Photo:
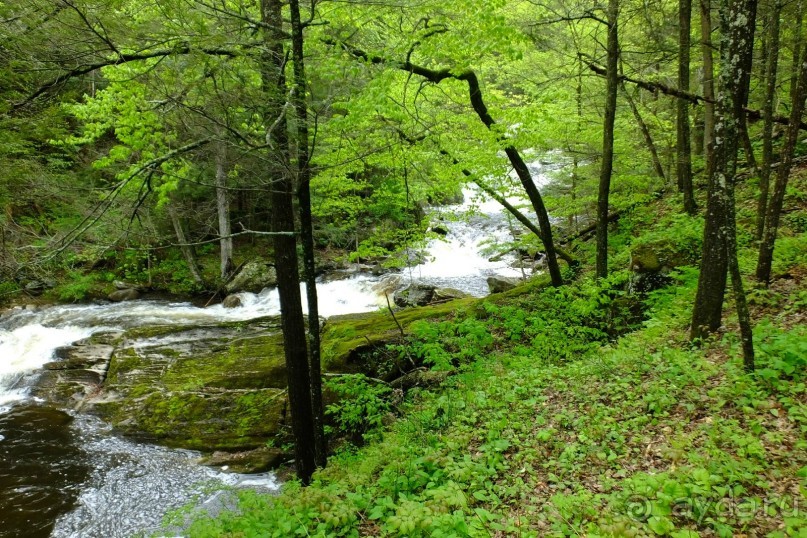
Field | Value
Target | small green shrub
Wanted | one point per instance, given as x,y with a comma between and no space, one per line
361,404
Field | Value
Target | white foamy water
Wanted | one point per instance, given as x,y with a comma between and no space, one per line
133,486
24,350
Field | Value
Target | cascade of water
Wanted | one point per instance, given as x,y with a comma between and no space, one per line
148,480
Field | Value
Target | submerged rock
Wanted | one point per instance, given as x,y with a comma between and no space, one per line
232,301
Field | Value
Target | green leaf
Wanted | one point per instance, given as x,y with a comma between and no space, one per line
660,525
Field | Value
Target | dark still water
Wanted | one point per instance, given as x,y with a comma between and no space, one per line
41,470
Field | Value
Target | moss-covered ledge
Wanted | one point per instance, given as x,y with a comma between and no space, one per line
222,387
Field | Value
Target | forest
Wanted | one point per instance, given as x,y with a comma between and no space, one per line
647,374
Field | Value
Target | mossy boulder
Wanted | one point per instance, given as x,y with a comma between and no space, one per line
207,388
254,276
658,257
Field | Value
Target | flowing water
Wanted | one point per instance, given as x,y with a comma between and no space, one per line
66,475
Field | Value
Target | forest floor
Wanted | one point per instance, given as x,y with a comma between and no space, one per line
569,413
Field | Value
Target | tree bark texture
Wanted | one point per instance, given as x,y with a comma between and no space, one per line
303,160
708,83
187,250
736,43
771,69
774,209
683,141
612,81
223,211
285,246
648,138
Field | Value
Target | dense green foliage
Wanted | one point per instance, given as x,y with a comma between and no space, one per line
130,130
558,422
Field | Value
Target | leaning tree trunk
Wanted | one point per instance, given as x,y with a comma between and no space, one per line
187,250
477,100
708,83
648,138
612,80
683,141
307,231
736,43
285,243
772,65
765,260
223,210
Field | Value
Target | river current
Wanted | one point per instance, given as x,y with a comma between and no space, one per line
64,474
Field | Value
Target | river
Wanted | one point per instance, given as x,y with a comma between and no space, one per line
64,474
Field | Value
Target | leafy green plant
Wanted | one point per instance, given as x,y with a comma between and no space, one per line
360,406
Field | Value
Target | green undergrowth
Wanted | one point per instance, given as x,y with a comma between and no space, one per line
558,424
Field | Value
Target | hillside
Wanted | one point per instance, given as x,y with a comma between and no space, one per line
578,411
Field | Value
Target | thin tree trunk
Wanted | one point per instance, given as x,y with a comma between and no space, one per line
223,210
748,61
772,65
683,141
648,138
187,250
285,246
743,315
708,83
708,310
612,80
797,44
765,259
307,231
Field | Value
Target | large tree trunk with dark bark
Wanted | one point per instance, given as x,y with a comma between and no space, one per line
285,243
307,230
612,81
708,310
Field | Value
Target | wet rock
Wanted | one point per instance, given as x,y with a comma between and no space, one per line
499,284
232,301
79,370
254,276
128,294
250,461
415,295
388,284
448,294
439,229
121,285
35,287
218,387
